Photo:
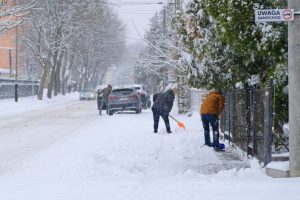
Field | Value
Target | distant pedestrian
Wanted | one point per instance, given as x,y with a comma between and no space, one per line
162,106
105,93
210,110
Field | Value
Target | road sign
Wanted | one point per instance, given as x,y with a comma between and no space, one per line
274,15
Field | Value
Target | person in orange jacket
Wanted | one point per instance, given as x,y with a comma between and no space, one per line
210,110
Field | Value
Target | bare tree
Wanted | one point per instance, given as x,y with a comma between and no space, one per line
71,36
47,36
161,62
12,15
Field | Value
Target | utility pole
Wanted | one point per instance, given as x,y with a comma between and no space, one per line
10,62
294,89
17,40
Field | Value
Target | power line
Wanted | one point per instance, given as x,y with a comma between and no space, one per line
130,13
136,2
140,3
114,3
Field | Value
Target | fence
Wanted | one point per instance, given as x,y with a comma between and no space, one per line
246,121
196,95
8,88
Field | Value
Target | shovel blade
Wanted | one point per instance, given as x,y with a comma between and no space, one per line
181,125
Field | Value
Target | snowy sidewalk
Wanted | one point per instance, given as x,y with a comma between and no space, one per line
10,108
228,160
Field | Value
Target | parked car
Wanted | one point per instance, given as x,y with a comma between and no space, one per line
144,95
87,94
122,99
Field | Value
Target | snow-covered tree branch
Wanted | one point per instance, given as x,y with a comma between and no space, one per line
88,33
12,15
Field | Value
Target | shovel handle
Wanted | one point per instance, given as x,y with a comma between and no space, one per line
181,125
173,118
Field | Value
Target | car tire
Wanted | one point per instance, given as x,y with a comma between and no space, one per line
138,110
110,112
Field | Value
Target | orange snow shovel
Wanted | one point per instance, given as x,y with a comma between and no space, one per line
180,124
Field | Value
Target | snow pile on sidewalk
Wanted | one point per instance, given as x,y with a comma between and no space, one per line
10,108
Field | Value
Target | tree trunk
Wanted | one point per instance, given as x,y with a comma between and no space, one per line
51,83
64,85
53,72
64,80
65,73
57,82
80,84
42,84
183,96
57,75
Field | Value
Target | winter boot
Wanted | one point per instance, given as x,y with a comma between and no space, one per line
218,146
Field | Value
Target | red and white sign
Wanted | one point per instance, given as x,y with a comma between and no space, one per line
274,15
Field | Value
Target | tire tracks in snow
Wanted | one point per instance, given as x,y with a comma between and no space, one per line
26,134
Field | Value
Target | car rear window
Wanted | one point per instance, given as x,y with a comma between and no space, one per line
123,91
88,90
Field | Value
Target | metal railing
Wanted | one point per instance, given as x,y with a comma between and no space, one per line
17,88
246,121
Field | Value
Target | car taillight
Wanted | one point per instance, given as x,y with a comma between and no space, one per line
141,94
133,96
112,98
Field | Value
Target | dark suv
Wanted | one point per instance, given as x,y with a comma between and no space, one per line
122,99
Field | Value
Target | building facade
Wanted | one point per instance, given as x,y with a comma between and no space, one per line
8,53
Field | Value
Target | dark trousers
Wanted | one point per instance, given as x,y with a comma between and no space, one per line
156,114
213,121
104,101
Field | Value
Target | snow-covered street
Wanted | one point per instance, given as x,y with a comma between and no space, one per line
61,149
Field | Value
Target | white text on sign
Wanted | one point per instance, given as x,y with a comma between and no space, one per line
274,15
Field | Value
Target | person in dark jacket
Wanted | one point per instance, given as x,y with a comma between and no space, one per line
105,93
155,96
162,106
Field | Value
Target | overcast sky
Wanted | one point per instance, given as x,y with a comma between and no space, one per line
137,13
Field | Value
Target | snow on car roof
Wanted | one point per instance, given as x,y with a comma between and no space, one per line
123,86
135,85
88,90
